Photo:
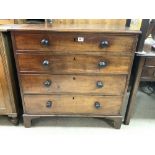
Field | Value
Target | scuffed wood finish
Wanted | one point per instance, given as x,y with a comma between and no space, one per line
8,93
67,42
112,85
72,104
73,63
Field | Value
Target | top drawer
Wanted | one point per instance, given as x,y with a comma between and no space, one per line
74,42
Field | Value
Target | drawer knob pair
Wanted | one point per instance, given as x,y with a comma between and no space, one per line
103,44
47,83
48,104
101,64
97,105
44,42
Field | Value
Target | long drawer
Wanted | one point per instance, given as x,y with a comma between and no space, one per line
80,42
44,84
67,64
72,104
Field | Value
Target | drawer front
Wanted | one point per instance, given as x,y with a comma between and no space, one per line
44,84
74,42
150,62
148,73
72,104
63,64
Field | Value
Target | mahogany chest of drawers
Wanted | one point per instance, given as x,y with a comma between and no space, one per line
72,71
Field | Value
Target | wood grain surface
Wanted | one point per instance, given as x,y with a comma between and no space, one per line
8,91
71,63
68,42
113,85
72,104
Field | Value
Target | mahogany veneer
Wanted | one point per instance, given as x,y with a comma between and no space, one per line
73,70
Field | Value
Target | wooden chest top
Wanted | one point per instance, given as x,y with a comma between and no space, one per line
69,28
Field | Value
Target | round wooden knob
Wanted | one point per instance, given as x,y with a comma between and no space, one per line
104,44
49,104
44,42
45,62
99,84
47,83
97,105
102,64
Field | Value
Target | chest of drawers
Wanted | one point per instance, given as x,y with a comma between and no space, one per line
73,72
